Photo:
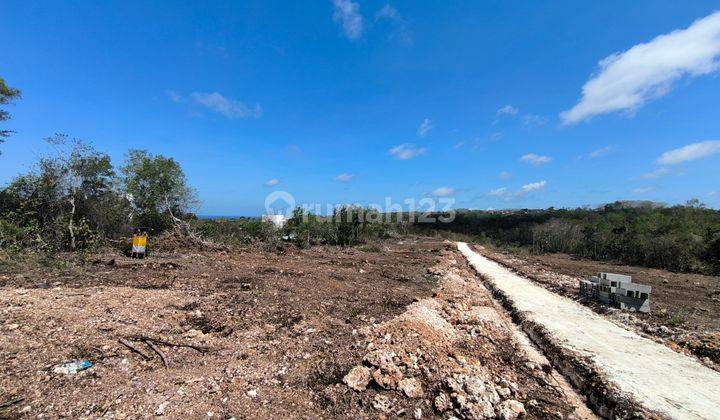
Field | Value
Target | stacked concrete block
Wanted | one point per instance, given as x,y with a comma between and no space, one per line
617,290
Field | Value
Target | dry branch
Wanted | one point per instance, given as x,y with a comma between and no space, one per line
157,351
133,349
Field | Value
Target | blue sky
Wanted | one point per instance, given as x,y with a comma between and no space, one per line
355,101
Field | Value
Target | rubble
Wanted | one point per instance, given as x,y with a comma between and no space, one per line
461,352
510,410
358,378
382,403
411,387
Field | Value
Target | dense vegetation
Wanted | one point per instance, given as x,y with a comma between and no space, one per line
347,226
75,199
681,238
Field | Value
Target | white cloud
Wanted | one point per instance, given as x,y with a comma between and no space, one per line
344,177
507,195
533,186
347,14
601,152
399,27
533,120
173,95
496,136
508,110
656,173
458,145
425,126
627,80
505,175
225,106
497,192
443,192
690,152
643,190
387,12
406,151
535,159
272,182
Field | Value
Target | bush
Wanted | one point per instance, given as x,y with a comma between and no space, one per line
234,231
348,226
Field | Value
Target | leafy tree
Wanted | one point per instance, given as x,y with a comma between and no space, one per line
7,95
67,201
157,188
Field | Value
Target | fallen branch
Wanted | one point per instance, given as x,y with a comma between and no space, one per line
108,405
200,349
157,351
133,349
12,402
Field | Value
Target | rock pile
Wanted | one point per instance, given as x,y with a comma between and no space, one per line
453,355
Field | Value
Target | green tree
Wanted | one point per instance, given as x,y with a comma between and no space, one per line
67,201
157,188
7,95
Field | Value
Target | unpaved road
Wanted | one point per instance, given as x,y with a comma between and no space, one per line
658,378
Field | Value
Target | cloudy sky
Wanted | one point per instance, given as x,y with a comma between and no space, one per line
497,104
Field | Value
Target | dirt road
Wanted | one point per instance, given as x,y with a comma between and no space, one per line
652,375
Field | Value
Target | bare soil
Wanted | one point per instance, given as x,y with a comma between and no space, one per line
250,333
278,326
685,308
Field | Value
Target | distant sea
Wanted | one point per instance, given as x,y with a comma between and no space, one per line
215,217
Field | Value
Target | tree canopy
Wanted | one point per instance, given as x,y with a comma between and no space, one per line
7,95
157,187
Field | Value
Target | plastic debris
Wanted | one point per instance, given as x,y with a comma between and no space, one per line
73,367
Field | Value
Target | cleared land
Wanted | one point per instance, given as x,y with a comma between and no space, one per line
644,372
253,333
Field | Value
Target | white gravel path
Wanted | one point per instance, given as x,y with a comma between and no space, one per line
661,379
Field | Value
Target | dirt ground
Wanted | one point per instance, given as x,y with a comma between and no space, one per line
685,308
249,333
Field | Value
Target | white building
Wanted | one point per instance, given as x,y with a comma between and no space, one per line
278,220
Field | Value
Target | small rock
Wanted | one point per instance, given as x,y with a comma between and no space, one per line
411,387
252,393
417,413
510,410
475,386
358,378
504,392
480,410
161,408
381,403
388,376
442,403
379,357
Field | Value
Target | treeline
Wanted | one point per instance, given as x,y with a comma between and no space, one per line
75,199
679,238
348,226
